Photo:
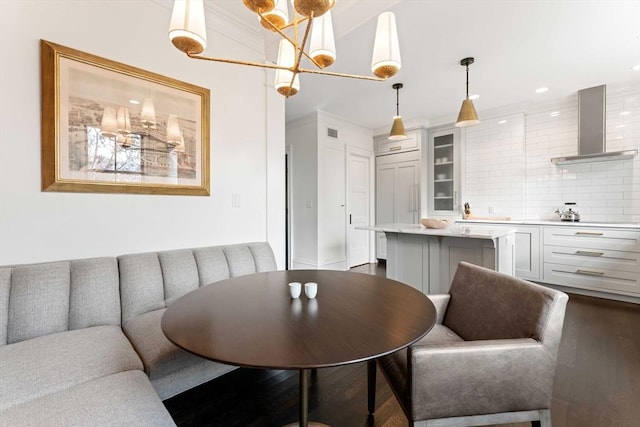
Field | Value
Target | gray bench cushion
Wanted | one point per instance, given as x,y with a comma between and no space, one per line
162,359
123,399
51,363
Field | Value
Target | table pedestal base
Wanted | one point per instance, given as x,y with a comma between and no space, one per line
304,403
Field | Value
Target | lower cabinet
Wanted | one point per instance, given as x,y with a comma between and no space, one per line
597,259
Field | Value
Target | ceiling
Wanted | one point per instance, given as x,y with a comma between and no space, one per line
518,45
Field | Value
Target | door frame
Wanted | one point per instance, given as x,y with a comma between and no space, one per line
370,155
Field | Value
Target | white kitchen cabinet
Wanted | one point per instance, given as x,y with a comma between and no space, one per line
527,247
411,143
444,172
595,259
397,192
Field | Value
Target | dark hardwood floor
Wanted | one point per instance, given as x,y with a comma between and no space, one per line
597,381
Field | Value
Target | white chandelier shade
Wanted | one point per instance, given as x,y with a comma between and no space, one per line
277,17
148,113
188,31
323,45
174,136
109,124
286,58
124,121
386,61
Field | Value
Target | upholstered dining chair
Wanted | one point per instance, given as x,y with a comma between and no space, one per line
490,358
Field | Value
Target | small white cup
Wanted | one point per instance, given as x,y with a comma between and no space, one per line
295,289
311,289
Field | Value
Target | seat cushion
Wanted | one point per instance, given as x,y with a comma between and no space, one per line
394,365
162,359
40,366
122,399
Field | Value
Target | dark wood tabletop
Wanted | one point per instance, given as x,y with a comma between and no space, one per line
252,321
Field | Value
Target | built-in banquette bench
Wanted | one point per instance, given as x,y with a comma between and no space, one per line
81,343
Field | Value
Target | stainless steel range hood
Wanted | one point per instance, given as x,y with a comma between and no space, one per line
592,131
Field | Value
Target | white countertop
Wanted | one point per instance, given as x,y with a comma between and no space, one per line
455,230
633,225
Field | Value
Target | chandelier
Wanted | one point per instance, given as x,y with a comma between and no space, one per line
187,32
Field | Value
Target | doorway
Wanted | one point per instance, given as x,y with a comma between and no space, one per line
359,203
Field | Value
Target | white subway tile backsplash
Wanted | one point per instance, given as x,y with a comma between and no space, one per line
508,166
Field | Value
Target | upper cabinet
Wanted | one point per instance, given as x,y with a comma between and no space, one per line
412,142
443,158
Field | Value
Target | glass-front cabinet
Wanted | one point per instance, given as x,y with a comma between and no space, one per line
443,174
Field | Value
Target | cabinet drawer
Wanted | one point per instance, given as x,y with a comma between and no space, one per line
593,258
598,279
596,238
384,146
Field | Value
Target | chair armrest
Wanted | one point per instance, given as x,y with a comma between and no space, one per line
480,377
441,301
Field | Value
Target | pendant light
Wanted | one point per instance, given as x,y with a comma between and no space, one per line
468,116
397,129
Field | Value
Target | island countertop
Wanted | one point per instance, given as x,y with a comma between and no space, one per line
454,230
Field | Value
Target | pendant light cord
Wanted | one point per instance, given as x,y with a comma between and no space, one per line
397,101
467,81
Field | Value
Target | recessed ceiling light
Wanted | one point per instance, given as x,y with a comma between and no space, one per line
134,102
636,67
542,89
474,96
502,122
621,126
625,113
555,113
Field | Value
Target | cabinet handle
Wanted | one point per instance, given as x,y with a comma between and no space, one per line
589,253
396,148
588,233
590,272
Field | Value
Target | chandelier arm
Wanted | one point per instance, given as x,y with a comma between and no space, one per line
292,23
233,61
293,42
331,73
296,66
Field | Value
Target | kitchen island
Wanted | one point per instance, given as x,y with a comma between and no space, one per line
427,258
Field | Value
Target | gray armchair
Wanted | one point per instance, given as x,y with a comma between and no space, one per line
490,358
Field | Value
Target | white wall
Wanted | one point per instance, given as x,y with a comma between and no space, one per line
247,151
508,165
318,193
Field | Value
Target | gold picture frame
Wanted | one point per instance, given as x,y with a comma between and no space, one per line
108,127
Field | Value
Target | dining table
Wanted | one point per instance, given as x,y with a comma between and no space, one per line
252,321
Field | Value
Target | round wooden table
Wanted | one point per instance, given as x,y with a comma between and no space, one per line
252,321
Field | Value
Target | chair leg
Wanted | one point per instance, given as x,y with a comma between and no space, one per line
371,386
545,419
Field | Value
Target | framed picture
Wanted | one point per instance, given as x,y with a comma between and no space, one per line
108,127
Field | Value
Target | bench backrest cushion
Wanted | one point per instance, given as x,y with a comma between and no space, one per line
153,280
41,299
